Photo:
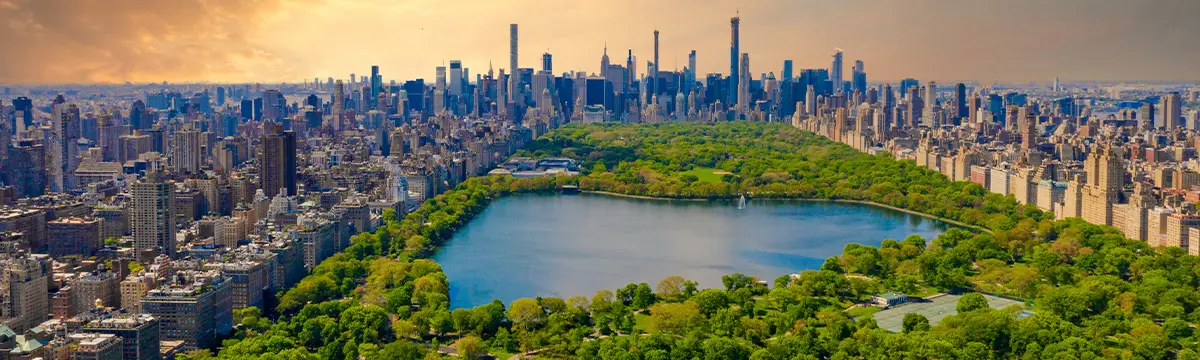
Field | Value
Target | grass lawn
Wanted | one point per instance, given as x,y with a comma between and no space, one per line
863,311
500,353
924,291
641,323
706,174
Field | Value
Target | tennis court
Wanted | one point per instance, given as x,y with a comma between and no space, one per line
934,309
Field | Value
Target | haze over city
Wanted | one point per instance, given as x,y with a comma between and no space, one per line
62,41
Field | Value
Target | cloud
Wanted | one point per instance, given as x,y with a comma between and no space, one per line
73,41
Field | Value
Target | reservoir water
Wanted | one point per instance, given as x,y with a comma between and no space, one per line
567,245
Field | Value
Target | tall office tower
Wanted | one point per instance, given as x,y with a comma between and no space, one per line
691,74
339,104
787,70
278,165
604,62
548,63
273,105
835,71
810,101
1146,116
960,102
858,80
187,156
657,65
744,85
930,99
631,70
23,284
152,216
456,76
439,90
247,110
1172,110
973,105
1056,88
376,87
65,149
905,85
220,96
734,52
25,106
512,60
27,168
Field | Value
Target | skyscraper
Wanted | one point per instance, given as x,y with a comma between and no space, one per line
744,85
439,90
187,154
338,103
604,62
657,65
734,52
376,87
456,75
25,106
930,102
787,70
279,160
152,216
1171,110
691,74
858,79
274,106
960,101
835,71
66,133
548,63
512,60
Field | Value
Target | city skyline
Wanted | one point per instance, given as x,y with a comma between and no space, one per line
293,40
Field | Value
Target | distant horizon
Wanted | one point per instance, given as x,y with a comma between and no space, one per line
273,41
872,82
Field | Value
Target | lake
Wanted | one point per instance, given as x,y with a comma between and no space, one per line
567,245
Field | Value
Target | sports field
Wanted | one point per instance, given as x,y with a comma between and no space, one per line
934,309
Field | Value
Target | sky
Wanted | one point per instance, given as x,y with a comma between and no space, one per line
114,41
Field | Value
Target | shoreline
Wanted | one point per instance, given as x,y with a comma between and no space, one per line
850,201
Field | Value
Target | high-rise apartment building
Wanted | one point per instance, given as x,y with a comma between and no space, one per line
25,282
278,163
197,308
734,53
152,216
74,236
187,151
512,61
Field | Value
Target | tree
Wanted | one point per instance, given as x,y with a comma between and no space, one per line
525,312
470,347
971,302
643,297
675,318
135,267
737,281
832,264
671,288
709,301
915,322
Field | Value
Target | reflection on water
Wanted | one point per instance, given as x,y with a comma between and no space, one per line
561,246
